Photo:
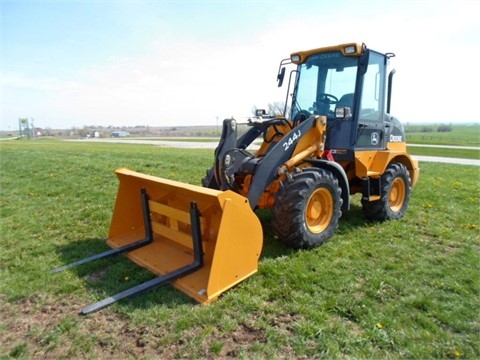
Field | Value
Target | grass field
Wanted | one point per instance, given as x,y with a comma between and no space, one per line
461,135
444,152
401,289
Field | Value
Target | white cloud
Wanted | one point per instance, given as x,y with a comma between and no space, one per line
172,85
184,80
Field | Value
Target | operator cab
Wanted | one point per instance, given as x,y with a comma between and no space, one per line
347,84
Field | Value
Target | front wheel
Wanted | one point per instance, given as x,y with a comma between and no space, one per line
394,195
307,208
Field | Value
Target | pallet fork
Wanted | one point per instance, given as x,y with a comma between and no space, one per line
203,251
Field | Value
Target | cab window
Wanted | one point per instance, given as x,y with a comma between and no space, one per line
372,104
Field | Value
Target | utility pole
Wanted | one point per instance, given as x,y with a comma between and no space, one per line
28,128
33,128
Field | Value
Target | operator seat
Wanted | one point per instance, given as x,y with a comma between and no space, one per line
346,101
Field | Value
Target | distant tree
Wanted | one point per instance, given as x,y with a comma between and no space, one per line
426,129
444,128
275,108
84,131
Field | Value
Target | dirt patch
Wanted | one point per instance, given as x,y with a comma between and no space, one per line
243,337
285,322
41,326
237,343
227,346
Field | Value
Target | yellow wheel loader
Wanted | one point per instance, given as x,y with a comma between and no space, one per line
335,138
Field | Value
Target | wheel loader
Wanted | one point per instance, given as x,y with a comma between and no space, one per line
335,138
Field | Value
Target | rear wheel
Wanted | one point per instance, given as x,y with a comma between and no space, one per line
307,208
394,195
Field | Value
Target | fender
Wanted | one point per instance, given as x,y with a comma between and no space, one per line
341,176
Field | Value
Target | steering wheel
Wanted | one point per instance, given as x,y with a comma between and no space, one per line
325,98
301,116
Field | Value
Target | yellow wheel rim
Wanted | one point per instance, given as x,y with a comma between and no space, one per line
396,197
319,210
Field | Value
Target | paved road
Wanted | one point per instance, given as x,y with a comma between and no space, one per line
178,144
213,145
447,160
175,144
446,146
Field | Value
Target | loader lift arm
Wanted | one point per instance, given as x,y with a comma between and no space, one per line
232,158
229,142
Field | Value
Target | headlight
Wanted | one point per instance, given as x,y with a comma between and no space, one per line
343,113
350,50
295,58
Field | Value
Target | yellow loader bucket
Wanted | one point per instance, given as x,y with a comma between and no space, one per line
230,234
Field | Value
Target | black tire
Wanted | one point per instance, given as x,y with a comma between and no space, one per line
307,208
394,195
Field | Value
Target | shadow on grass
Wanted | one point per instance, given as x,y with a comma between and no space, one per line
350,221
112,275
109,276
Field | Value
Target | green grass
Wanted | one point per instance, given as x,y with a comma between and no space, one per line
400,289
461,135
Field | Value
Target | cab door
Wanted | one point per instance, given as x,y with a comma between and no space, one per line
371,116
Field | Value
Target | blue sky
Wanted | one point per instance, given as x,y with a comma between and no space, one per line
163,63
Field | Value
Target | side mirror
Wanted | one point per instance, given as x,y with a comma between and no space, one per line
260,112
280,76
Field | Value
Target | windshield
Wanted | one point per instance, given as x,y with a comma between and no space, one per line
324,81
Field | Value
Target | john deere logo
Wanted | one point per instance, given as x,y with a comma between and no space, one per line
375,138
